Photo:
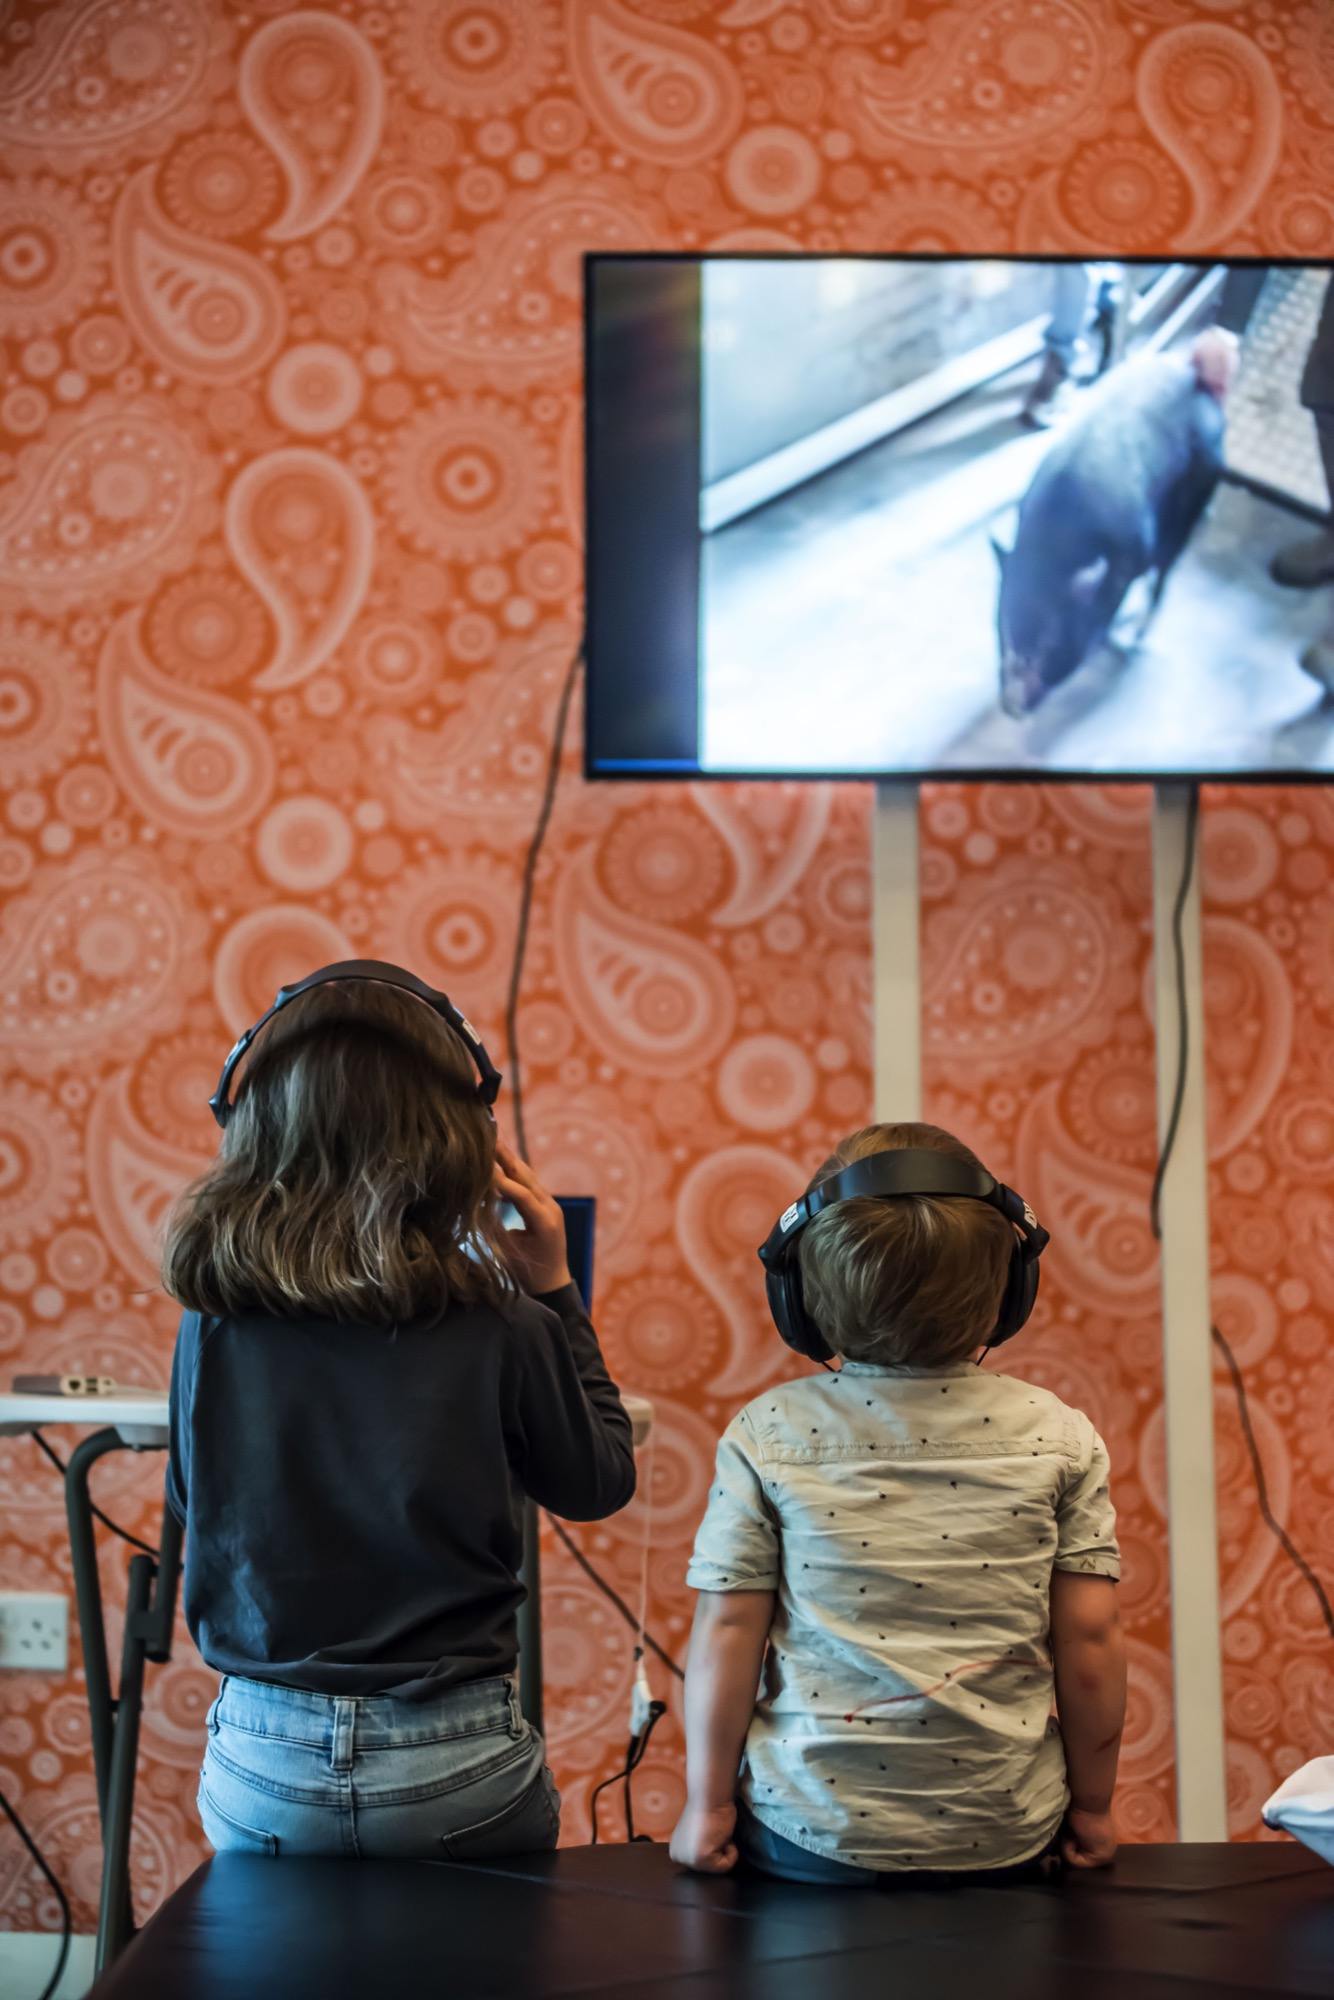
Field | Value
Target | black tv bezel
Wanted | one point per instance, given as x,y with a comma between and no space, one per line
595,772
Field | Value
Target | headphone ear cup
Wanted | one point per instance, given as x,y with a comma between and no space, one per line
787,1308
1020,1294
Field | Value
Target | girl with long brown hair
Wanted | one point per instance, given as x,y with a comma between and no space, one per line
370,1375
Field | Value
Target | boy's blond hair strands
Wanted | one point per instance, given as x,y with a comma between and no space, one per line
916,1281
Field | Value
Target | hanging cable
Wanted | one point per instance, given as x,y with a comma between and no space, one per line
645,1710
1275,1526
44,1867
144,1547
526,893
1183,1014
612,1595
645,1544
1233,1366
634,1757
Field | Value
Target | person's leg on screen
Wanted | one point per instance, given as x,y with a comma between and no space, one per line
1318,658
1240,295
1071,288
1308,563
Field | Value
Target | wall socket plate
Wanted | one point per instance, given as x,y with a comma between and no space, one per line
34,1631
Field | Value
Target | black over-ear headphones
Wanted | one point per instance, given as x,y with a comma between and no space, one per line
376,971
883,1177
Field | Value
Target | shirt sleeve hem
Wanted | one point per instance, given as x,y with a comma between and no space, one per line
1106,1566
711,1580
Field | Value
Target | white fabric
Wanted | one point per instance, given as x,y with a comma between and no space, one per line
1303,1806
909,1521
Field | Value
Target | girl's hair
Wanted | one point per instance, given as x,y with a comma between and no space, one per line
355,1173
917,1280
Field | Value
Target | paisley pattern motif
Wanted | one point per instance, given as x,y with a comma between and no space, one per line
52,256
133,1178
207,311
312,89
511,310
302,534
1209,76
290,565
88,86
666,95
1043,69
658,1001
195,763
117,498
90,955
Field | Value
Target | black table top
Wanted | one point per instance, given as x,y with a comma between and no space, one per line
1167,1923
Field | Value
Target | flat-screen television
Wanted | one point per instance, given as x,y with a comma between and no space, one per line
887,516
579,1212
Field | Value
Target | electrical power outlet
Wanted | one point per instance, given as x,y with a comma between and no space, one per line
34,1631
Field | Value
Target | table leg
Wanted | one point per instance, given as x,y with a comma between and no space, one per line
166,1578
115,1921
114,1720
88,1602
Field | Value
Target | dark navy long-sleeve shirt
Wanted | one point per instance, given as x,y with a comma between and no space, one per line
352,1495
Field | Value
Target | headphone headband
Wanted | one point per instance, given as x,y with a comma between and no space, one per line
885,1177
377,972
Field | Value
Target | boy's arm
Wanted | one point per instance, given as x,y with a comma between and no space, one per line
727,1645
1088,1653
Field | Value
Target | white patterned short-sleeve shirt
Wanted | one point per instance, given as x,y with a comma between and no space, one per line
909,1521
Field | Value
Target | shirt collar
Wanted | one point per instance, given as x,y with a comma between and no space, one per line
905,1368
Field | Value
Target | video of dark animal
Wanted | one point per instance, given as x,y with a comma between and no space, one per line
992,516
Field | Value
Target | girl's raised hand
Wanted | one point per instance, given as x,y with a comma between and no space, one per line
537,1252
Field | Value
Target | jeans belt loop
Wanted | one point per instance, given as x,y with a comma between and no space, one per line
343,1747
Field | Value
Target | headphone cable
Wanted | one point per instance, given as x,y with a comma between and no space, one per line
1233,1366
644,1639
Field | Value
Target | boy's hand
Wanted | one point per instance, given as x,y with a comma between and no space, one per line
537,1253
702,1839
1088,1839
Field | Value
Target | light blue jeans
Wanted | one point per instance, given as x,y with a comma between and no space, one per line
461,1777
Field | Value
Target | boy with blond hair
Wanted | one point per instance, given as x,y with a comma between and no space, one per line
913,1559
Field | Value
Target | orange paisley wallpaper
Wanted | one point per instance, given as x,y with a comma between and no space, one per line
289,575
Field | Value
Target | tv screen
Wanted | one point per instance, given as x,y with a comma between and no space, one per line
884,516
579,1212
